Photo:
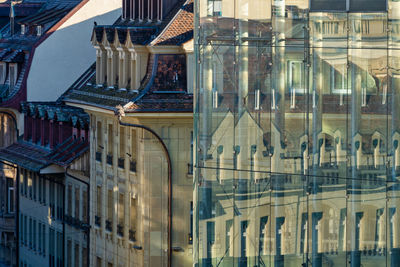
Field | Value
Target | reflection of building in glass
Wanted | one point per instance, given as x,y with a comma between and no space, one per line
297,133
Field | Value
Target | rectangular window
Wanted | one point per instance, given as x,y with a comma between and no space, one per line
77,198
229,237
98,262
52,200
110,205
133,150
122,142
40,189
44,239
26,230
39,30
25,182
214,8
349,5
51,248
69,253
13,75
84,257
21,228
11,199
99,135
69,201
190,170
30,233
263,232
191,223
339,79
76,255
84,206
40,236
21,181
296,72
99,201
368,5
328,5
34,237
34,185
44,191
121,209
210,237
30,174
110,147
133,214
60,249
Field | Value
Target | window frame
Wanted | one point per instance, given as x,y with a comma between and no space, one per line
290,78
348,8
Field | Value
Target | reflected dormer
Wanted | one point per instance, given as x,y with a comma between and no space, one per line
146,10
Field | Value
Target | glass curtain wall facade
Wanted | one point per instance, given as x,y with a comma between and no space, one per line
297,129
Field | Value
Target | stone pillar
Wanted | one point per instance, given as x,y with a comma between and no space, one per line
112,67
133,71
123,69
100,66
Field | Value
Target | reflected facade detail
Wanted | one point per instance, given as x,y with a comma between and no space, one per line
297,129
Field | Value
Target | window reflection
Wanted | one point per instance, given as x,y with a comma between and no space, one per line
304,106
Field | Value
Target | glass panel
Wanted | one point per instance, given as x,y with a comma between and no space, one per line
367,5
325,5
327,219
297,111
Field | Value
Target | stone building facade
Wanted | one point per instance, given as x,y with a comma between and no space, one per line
139,98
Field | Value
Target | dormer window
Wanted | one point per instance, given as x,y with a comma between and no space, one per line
2,72
39,30
23,29
13,74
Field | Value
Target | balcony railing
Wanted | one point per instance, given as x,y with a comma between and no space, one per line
121,163
97,221
132,235
109,225
98,156
132,166
109,159
120,230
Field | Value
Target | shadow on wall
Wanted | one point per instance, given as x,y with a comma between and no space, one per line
64,56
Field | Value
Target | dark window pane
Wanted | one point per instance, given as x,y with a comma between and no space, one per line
367,5
324,5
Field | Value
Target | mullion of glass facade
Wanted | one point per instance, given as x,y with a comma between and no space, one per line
297,134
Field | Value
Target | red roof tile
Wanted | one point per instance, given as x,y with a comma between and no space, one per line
180,28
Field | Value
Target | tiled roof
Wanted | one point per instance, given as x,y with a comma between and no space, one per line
161,90
85,91
16,56
34,158
56,111
180,28
25,155
68,151
142,32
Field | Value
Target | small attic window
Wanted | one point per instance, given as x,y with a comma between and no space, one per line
39,30
23,29
171,74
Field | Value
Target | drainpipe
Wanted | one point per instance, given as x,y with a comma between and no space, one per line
120,113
